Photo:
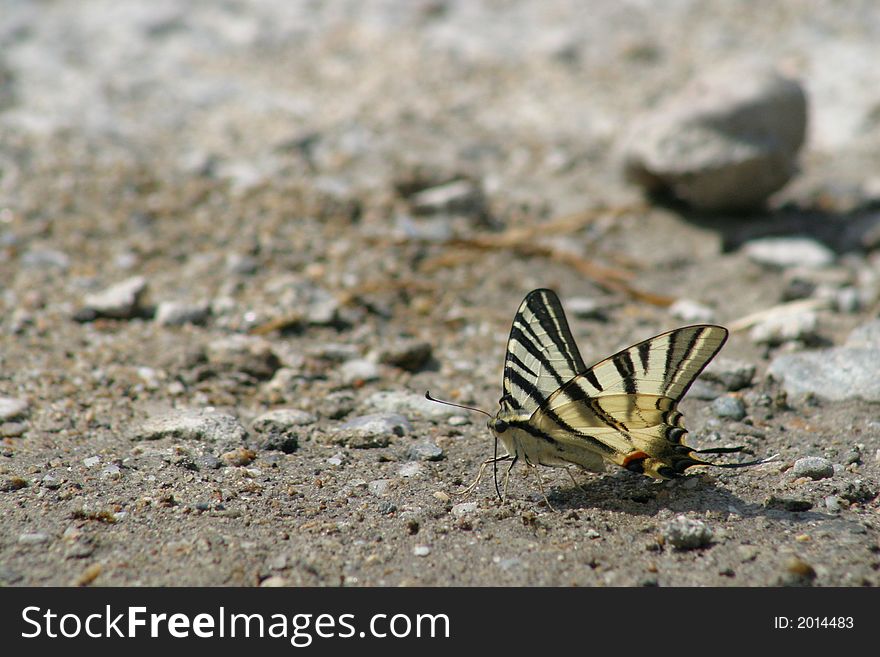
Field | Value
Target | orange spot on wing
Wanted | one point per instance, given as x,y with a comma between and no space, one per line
633,456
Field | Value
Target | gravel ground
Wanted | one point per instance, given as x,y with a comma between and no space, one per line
239,240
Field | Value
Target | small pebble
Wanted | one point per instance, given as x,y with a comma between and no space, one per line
853,456
50,482
747,552
458,196
178,313
274,581
88,576
359,371
119,301
440,495
239,457
729,407
243,353
464,508
687,533
12,408
586,308
379,487
35,538
776,330
421,550
282,419
410,469
243,264
410,404
833,503
111,471
386,507
208,462
91,461
79,550
797,573
785,252
12,484
732,374
407,354
425,451
691,311
374,430
200,425
814,467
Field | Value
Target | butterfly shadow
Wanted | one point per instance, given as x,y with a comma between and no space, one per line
846,230
635,494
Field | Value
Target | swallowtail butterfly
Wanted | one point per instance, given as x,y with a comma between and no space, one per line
556,411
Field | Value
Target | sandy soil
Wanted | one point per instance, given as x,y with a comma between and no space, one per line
260,164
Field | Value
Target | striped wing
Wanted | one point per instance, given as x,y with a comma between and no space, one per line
541,353
628,401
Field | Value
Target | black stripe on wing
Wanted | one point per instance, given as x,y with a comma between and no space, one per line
667,366
541,352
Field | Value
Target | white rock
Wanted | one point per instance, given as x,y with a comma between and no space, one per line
282,419
413,469
784,252
464,508
586,307
785,328
12,408
687,533
379,487
205,425
34,538
359,370
119,301
177,313
691,311
456,196
412,404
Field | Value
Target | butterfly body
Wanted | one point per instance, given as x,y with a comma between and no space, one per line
556,411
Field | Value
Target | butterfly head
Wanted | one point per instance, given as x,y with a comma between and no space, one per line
498,425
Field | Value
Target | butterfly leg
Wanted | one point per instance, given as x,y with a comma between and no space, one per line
541,487
470,489
574,481
507,476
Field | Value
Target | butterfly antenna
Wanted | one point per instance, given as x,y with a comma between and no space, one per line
449,403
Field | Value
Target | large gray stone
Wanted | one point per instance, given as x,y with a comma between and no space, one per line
725,142
836,373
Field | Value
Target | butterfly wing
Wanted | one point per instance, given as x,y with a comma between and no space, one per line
625,407
542,355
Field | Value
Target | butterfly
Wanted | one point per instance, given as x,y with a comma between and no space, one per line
555,411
